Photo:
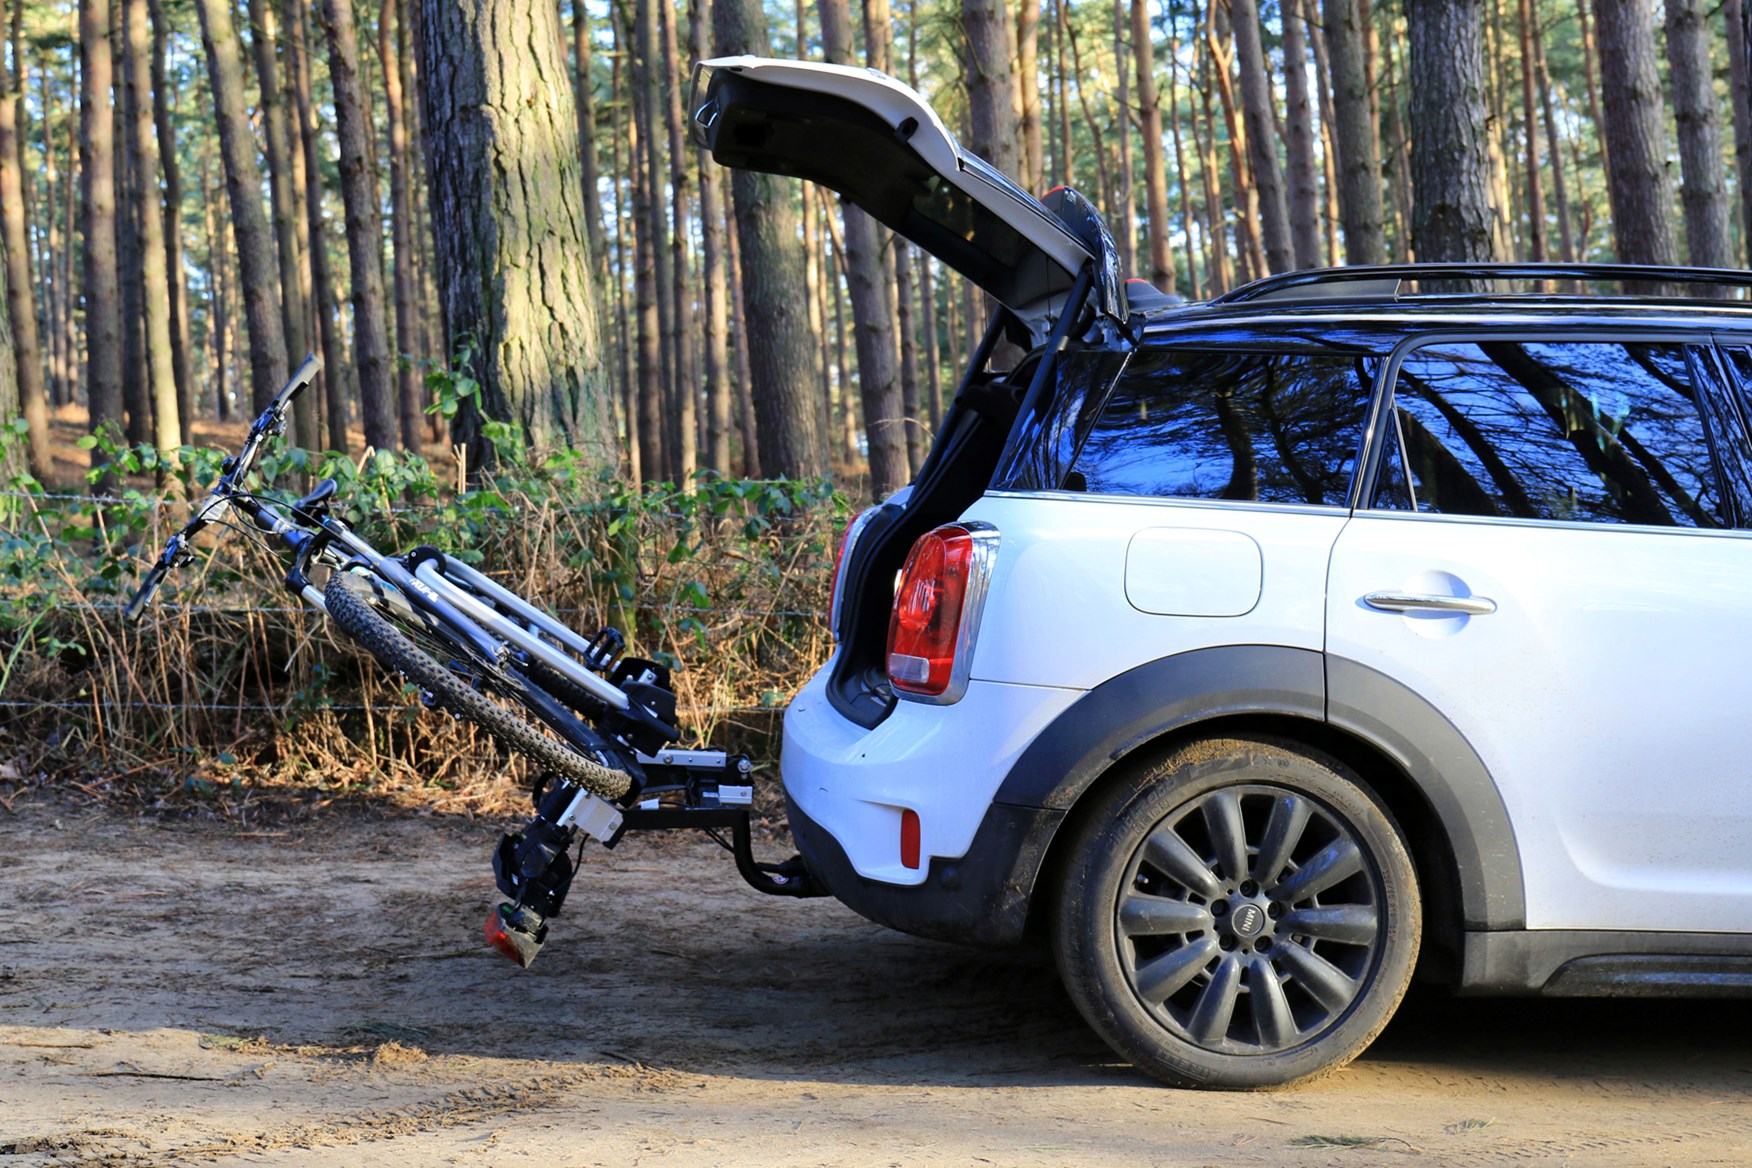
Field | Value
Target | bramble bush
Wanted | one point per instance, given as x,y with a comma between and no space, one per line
232,697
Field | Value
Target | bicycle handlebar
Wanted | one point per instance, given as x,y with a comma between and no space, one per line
271,423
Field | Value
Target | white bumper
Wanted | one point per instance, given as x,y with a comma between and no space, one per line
943,762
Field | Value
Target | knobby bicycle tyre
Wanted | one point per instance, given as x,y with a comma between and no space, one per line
350,604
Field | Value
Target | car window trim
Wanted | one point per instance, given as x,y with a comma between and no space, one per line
1066,496
1364,484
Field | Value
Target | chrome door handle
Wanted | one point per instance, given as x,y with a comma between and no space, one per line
1414,602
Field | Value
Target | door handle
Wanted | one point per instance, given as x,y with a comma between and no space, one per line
1416,602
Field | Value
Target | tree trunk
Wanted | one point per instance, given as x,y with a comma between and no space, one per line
1310,12
97,195
774,320
1304,182
586,100
334,379
928,317
10,462
647,278
136,394
626,254
1396,155
155,283
257,273
1449,159
1204,144
359,197
684,411
872,321
1180,180
1704,193
509,218
1123,215
57,180
1161,272
1633,132
1256,102
906,323
29,393
70,216
1353,131
177,277
1566,239
264,33
1505,190
1537,250
991,83
1062,157
1246,198
715,369
1031,174
745,419
1740,85
1595,110
407,387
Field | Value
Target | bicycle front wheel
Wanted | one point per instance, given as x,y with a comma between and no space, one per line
363,611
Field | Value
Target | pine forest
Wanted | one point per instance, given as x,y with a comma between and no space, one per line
196,193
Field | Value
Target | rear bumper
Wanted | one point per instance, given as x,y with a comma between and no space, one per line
981,898
850,791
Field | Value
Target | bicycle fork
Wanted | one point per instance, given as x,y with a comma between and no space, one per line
699,789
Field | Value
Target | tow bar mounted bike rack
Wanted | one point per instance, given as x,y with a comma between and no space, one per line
685,789
587,716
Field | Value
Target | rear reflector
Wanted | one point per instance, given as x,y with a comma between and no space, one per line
909,838
516,932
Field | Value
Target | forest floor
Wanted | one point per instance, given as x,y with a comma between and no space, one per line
180,993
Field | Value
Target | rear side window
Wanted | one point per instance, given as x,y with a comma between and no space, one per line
1270,427
1584,432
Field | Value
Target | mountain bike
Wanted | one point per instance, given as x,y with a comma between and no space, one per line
598,725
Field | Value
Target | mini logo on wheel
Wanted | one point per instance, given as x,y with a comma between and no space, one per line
1248,919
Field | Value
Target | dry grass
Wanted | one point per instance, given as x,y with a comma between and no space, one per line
231,699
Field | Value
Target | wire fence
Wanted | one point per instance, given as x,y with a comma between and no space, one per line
294,707
283,610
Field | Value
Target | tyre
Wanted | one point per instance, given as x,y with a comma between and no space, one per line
391,630
1242,914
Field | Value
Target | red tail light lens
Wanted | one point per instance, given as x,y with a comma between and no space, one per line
924,631
909,838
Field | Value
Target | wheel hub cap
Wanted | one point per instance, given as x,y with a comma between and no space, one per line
1248,920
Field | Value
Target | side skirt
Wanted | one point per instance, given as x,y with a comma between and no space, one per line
1595,964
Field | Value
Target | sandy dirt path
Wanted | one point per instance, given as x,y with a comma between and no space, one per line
178,994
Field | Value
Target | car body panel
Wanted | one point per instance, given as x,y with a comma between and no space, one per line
1058,613
1594,695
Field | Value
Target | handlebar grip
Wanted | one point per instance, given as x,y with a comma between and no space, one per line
301,378
143,595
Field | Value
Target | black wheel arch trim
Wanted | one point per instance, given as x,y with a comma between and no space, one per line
1173,693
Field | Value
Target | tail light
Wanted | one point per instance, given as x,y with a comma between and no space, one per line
937,609
847,538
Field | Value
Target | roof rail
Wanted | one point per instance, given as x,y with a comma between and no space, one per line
1316,283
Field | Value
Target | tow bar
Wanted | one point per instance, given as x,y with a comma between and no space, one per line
700,789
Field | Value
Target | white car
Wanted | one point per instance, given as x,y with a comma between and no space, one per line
1258,653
